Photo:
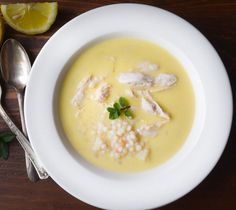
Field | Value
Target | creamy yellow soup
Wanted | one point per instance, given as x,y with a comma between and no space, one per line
107,60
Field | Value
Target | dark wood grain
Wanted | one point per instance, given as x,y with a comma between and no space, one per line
217,21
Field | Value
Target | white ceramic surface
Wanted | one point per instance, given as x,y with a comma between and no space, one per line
189,166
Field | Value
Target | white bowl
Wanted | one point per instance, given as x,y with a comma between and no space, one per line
191,164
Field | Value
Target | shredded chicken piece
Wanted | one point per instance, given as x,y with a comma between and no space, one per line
95,81
87,82
151,130
165,81
79,96
135,79
140,80
146,66
103,92
151,106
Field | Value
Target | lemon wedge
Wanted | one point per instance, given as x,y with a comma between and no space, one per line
1,30
30,18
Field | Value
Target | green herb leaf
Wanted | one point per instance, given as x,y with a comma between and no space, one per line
5,151
1,145
110,109
7,137
114,115
123,102
117,106
129,114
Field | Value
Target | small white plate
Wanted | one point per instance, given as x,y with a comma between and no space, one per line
205,142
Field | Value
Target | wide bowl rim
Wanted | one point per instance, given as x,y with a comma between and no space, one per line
149,13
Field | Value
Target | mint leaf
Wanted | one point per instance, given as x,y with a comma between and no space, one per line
129,114
123,102
7,137
114,115
110,109
1,145
5,151
117,106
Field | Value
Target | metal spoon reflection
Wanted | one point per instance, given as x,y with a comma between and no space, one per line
15,67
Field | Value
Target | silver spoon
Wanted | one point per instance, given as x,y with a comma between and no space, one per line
24,142
15,67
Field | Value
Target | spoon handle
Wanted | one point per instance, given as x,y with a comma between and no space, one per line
31,172
24,143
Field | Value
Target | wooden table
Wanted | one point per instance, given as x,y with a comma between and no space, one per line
217,21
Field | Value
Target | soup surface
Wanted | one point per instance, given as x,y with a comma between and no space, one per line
126,105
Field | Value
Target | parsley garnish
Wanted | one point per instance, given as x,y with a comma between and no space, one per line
5,139
118,108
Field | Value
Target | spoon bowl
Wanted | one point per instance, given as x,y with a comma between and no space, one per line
16,72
